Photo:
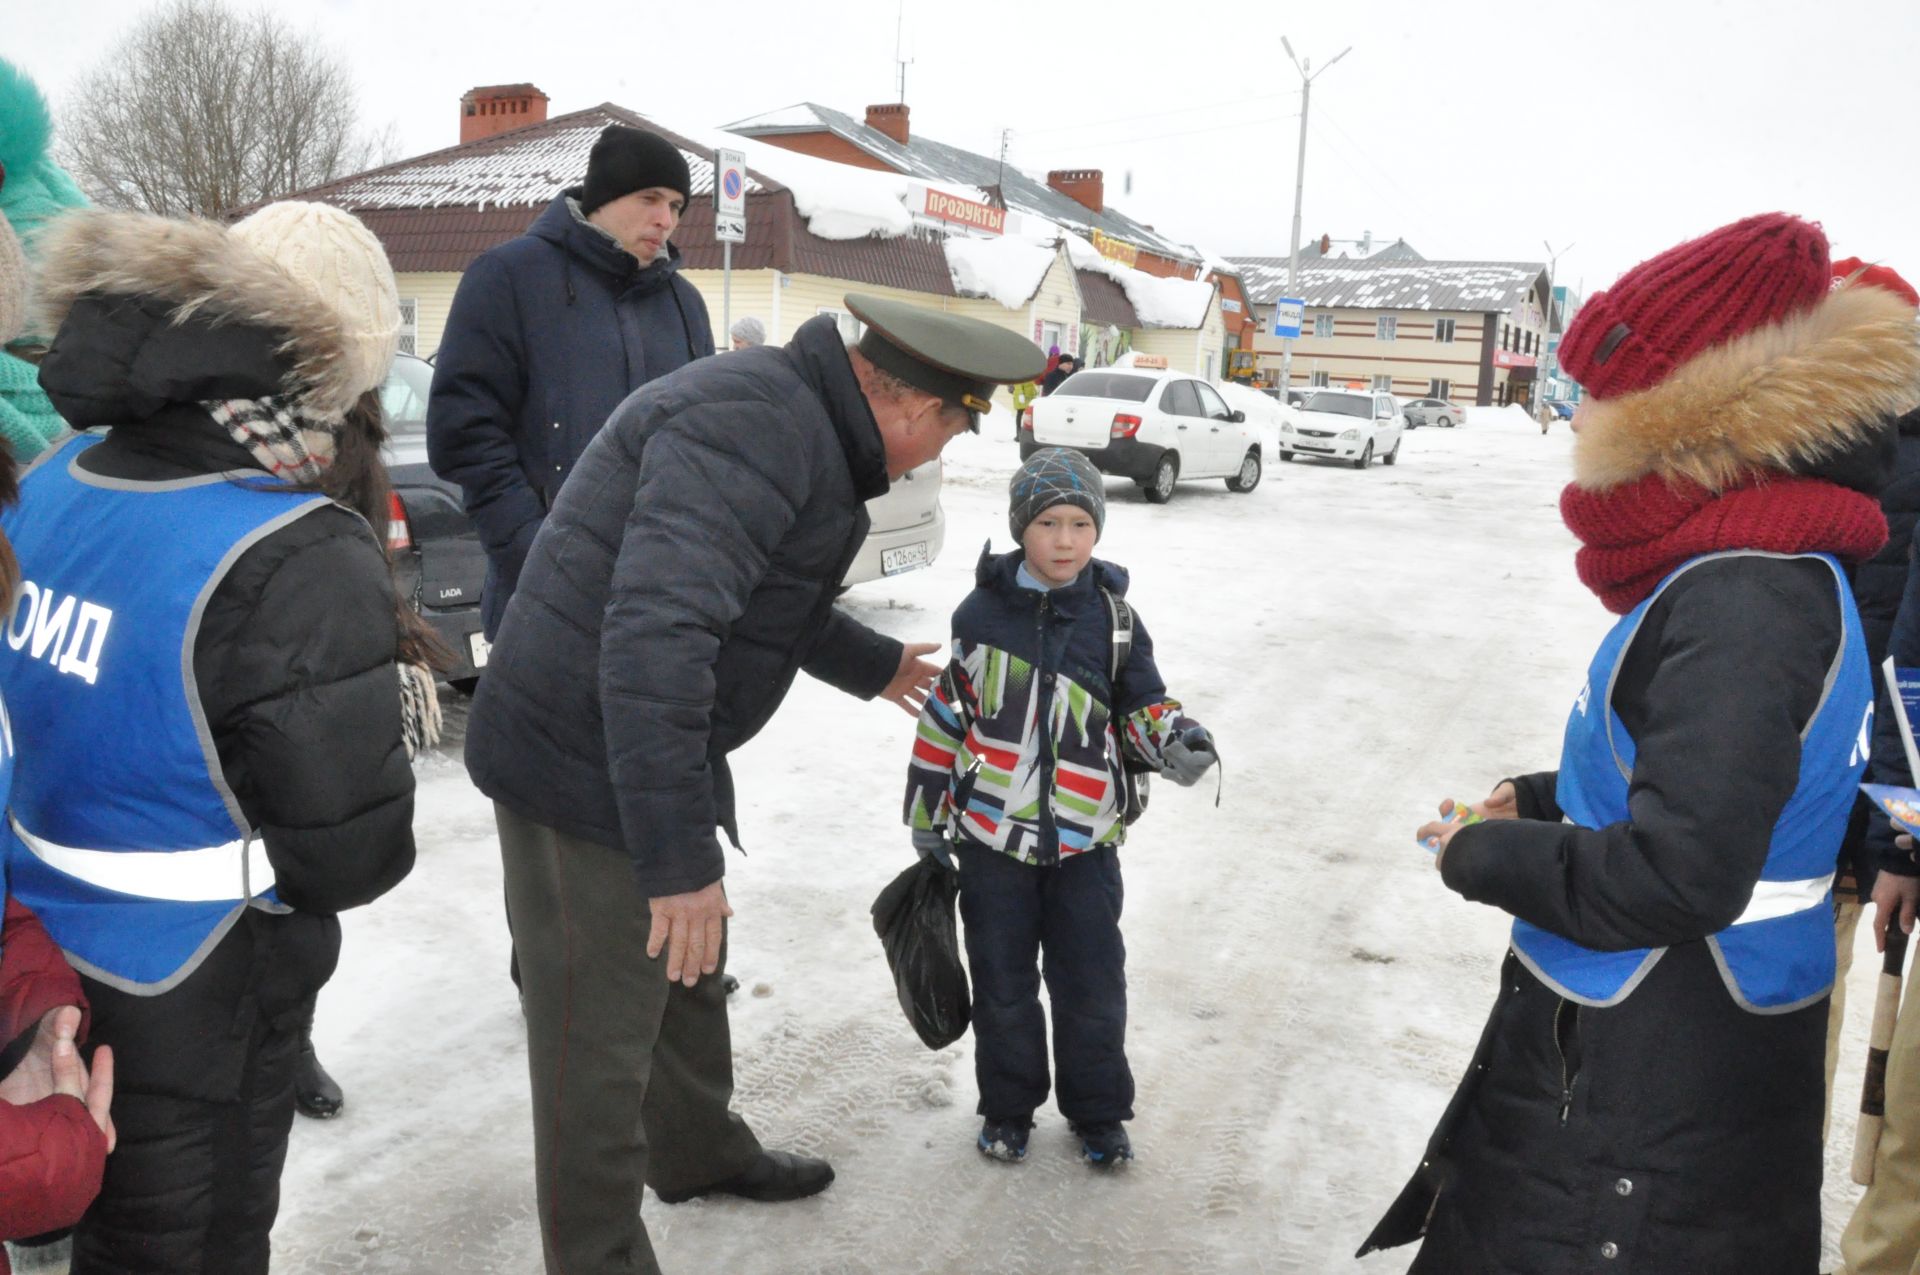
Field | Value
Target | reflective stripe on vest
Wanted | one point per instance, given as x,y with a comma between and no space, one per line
1778,955
231,872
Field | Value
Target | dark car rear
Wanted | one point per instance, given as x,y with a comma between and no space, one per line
437,558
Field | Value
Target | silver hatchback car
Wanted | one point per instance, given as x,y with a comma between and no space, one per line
1433,411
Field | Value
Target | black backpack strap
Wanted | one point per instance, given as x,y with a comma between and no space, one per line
1120,634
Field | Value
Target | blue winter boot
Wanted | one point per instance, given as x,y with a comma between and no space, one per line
1104,1145
1005,1138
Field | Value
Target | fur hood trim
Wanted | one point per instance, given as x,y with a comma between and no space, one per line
1773,400
198,269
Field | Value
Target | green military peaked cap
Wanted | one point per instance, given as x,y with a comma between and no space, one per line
956,358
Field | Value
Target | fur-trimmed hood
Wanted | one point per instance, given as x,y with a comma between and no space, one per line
197,270
1783,398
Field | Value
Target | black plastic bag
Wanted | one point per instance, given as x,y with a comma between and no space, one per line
914,918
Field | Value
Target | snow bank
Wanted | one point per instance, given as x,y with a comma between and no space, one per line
1263,412
1007,270
1160,303
1512,416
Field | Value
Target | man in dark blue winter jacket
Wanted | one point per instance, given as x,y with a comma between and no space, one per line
550,331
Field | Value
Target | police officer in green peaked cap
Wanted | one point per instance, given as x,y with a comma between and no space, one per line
957,359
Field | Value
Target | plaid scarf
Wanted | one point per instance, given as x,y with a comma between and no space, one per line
290,441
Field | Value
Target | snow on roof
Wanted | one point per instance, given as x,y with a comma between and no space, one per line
1008,270
1386,283
1160,302
529,166
934,161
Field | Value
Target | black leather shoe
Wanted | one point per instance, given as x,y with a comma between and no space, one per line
314,1092
776,1175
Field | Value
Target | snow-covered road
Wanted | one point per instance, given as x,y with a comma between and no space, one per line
1304,992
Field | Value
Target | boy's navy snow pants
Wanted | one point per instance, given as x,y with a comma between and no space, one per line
1014,912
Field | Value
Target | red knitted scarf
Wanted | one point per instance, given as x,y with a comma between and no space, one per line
1633,535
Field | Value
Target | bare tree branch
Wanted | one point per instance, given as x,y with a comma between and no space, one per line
202,109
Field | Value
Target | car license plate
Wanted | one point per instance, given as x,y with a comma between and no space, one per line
480,648
904,558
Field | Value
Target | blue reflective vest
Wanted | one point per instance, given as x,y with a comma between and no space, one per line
122,834
1778,955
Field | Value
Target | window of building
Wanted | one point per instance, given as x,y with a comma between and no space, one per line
1443,330
409,325
1440,387
1323,326
851,328
1383,382
1384,328
1319,381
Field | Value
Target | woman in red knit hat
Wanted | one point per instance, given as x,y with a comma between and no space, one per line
1647,1093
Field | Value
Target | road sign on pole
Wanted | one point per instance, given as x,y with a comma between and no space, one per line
1287,315
729,196
729,221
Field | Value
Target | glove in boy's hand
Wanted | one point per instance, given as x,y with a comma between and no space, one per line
1189,754
931,843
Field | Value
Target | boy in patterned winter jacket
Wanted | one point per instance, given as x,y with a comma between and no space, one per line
1018,771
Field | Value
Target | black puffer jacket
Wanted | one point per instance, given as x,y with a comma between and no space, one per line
1878,586
295,655
687,571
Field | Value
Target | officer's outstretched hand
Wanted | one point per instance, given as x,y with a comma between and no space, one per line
691,927
914,678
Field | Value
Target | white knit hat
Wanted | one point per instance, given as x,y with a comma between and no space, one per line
13,284
334,257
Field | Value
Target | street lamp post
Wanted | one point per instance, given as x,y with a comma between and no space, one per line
1547,360
1299,188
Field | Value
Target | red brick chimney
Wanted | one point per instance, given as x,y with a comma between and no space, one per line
1083,185
499,107
891,119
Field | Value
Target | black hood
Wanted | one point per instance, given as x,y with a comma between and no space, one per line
821,357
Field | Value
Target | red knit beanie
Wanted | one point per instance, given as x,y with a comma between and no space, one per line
1851,272
1691,298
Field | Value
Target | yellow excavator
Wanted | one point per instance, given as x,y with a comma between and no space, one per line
1243,367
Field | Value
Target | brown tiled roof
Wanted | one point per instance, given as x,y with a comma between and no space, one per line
778,239
439,211
1102,300
430,239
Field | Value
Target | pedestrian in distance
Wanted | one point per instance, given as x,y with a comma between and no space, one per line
686,574
1647,1092
1066,367
747,333
213,763
1019,782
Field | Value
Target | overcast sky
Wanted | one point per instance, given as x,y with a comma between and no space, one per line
1472,130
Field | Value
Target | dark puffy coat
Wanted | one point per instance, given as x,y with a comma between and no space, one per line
295,655
1888,764
548,333
1883,587
1708,1114
51,1152
687,571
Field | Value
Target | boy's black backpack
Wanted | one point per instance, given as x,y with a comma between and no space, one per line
1133,774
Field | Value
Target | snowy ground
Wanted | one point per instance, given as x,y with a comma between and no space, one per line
1303,990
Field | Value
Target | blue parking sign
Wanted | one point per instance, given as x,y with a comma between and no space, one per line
1287,314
